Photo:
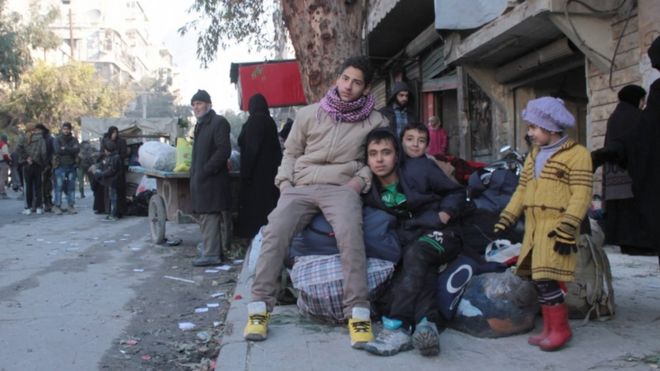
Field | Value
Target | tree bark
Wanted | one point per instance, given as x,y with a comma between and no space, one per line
324,33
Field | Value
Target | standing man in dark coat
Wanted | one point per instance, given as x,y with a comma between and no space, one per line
397,109
646,160
622,217
47,171
260,157
209,176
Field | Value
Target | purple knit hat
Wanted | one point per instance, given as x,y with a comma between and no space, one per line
548,113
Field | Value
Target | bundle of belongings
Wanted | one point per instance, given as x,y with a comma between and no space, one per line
316,267
477,292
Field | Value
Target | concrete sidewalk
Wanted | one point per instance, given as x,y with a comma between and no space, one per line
630,340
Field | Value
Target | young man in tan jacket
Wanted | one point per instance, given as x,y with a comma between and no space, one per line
324,169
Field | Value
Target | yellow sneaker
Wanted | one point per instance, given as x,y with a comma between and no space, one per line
256,328
359,327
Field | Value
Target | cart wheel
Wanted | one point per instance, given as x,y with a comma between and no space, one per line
157,219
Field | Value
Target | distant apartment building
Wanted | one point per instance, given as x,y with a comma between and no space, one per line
112,35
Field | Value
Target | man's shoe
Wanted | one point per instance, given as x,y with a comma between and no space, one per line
40,211
57,210
256,328
111,218
359,327
205,261
426,338
26,212
390,342
72,210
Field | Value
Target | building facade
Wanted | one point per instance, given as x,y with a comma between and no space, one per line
478,78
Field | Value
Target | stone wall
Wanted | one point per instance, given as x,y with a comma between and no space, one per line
602,97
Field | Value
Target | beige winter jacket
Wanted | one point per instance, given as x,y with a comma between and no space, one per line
320,150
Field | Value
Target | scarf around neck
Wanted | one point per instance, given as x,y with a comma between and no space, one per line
355,111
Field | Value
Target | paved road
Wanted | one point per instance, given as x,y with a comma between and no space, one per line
64,283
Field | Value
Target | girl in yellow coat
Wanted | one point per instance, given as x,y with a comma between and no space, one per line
554,192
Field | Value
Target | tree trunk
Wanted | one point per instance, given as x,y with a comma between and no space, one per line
324,33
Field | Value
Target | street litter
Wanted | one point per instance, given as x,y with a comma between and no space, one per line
217,323
238,297
179,279
146,357
126,235
238,261
224,267
174,242
129,342
213,305
204,336
123,239
109,241
211,271
62,242
185,326
40,240
138,270
201,310
218,295
136,248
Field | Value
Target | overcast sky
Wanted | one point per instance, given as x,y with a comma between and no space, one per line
166,16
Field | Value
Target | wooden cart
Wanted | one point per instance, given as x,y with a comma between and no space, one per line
172,202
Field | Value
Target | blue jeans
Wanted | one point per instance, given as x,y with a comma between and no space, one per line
113,201
65,177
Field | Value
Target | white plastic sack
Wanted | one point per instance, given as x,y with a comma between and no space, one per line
253,254
503,251
157,156
146,184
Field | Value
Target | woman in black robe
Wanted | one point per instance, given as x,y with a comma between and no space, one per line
260,157
623,219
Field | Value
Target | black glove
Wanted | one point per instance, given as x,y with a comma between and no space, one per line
564,239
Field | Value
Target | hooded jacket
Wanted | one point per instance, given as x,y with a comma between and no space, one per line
392,104
33,145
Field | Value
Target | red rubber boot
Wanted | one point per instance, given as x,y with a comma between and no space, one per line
560,330
536,339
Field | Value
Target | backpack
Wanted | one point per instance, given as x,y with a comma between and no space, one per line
591,295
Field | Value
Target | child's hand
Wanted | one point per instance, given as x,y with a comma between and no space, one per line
501,226
564,240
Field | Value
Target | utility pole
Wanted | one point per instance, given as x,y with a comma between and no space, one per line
71,40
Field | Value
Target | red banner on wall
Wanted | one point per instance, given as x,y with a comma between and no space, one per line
279,82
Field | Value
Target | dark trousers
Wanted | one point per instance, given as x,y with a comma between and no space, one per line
33,192
414,293
47,186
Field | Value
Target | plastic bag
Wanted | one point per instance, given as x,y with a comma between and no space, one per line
157,156
183,155
496,305
146,184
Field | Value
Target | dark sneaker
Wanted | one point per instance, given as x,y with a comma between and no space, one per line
390,342
426,338
205,261
72,210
